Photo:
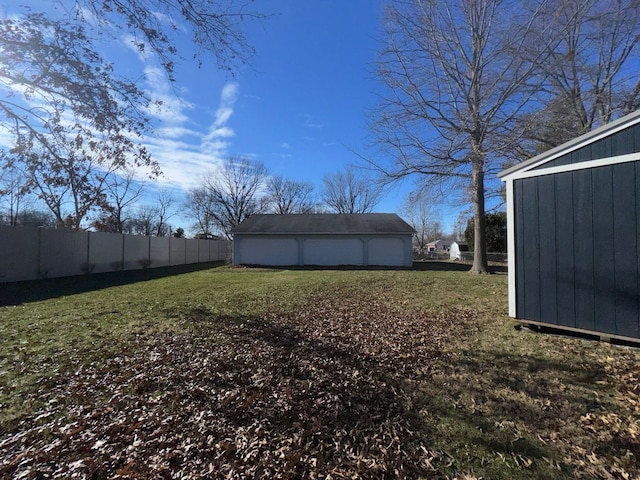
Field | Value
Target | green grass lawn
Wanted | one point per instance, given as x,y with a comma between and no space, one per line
255,373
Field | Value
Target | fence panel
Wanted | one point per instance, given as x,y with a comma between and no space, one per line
224,250
64,253
19,253
203,250
178,248
136,252
105,252
32,253
159,251
192,251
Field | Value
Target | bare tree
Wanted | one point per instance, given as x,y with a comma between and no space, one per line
157,25
143,221
198,206
587,51
233,193
66,107
164,202
421,212
122,192
151,220
457,82
72,120
14,187
289,196
349,191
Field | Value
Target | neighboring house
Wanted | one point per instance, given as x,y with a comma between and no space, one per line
367,239
439,246
574,233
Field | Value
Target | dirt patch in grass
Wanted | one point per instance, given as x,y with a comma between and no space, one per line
357,383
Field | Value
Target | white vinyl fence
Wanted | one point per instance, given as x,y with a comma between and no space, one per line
33,253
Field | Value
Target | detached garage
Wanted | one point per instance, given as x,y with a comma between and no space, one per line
367,239
573,226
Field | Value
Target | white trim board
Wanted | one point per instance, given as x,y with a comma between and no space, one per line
572,167
511,248
572,145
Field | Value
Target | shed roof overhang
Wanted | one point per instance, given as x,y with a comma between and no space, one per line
526,169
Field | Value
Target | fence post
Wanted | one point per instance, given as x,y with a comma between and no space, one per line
39,259
89,269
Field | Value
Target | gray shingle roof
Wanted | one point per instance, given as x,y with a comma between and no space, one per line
324,223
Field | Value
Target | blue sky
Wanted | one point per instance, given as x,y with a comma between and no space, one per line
300,107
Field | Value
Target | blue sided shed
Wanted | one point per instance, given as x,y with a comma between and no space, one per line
573,234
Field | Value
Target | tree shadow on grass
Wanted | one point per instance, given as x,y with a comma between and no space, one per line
284,396
527,408
251,397
16,293
453,266
420,265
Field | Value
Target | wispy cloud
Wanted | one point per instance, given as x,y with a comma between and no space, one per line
183,147
215,140
228,97
167,107
310,122
138,46
188,153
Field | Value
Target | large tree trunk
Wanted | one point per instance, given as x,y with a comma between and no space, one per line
480,240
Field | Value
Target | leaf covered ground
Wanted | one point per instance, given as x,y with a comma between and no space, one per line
359,377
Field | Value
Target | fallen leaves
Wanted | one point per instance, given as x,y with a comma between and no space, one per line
314,395
326,392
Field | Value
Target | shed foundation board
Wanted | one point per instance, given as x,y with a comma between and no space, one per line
604,337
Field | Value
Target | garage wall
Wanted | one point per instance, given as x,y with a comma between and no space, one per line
266,251
386,251
333,251
321,250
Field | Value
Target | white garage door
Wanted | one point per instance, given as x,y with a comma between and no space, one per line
386,252
333,251
268,251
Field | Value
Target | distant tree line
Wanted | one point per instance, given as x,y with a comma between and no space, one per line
243,187
240,187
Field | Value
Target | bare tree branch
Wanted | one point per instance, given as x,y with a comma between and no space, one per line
457,83
350,192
